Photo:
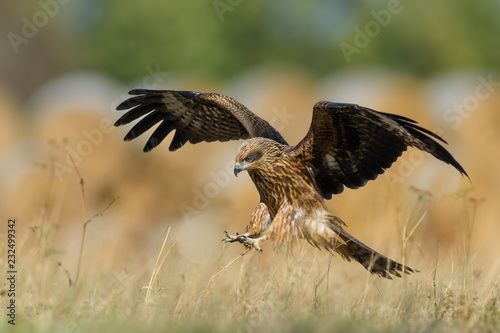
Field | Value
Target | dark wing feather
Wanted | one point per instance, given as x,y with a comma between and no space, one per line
194,116
348,145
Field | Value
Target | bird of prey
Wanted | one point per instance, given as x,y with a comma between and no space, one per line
346,146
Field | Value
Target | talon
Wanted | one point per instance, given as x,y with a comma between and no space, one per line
251,243
248,242
229,238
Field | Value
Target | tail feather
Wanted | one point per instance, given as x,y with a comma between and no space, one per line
332,237
373,261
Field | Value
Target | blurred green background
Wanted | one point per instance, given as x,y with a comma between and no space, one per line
222,38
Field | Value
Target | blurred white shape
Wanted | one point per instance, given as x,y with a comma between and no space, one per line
447,90
16,160
76,91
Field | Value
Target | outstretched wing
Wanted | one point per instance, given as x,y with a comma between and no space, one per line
348,145
194,116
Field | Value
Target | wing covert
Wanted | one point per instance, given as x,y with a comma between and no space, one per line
194,116
348,145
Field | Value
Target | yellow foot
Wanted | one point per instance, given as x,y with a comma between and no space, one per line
245,240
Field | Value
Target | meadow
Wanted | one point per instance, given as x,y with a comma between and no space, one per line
111,239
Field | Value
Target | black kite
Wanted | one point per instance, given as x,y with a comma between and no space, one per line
347,145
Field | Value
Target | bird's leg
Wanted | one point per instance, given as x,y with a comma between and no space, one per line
246,240
257,229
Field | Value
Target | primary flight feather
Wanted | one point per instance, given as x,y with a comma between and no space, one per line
346,145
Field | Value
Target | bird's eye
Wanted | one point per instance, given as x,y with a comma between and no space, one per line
252,157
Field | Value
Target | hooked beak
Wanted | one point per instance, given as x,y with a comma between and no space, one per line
238,168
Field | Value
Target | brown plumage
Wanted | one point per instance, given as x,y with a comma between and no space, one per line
347,145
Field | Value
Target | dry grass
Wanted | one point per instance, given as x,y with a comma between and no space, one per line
251,292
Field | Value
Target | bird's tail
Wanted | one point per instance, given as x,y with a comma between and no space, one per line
334,238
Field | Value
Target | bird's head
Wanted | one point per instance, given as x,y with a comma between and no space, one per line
257,153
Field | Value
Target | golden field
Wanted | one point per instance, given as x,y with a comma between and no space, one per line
152,258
